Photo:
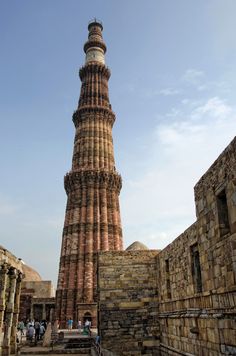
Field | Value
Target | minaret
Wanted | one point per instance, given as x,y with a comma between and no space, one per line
92,221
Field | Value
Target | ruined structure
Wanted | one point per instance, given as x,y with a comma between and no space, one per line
181,300
92,221
10,286
37,299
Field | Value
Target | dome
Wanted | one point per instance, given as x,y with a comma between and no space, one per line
30,275
136,246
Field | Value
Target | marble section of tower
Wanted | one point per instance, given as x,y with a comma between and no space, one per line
92,221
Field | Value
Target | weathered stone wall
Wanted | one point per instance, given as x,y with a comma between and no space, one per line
39,289
197,308
128,302
35,293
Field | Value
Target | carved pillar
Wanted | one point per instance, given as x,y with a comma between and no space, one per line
31,311
16,313
44,317
51,315
3,285
9,313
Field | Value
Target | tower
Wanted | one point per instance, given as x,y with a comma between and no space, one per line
92,219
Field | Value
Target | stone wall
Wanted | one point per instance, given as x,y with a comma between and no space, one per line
195,321
39,289
128,302
198,270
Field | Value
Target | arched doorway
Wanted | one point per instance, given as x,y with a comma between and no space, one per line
87,316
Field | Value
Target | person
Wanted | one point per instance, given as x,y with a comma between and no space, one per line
28,323
41,331
44,323
88,326
70,324
79,326
21,327
30,333
37,330
17,338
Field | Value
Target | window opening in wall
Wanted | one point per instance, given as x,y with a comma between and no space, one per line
167,266
223,215
168,287
196,269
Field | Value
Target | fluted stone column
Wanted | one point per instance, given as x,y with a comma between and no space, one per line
44,317
9,313
3,286
16,311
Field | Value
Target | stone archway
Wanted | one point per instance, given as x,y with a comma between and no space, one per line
84,312
87,316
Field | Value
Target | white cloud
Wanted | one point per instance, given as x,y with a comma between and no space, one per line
168,92
214,107
202,87
193,76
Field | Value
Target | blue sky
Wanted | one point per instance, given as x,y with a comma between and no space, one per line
173,91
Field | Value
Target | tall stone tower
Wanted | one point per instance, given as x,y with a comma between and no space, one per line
92,221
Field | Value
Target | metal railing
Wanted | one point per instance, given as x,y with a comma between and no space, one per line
97,348
95,20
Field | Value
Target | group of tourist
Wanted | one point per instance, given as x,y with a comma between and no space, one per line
32,329
86,327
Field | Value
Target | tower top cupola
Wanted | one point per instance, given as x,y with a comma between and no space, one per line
95,47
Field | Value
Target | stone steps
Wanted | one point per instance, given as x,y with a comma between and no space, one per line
71,344
53,354
75,345
78,343
82,352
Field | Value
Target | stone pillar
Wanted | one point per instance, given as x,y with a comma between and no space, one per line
9,313
44,312
51,314
3,285
16,313
31,311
